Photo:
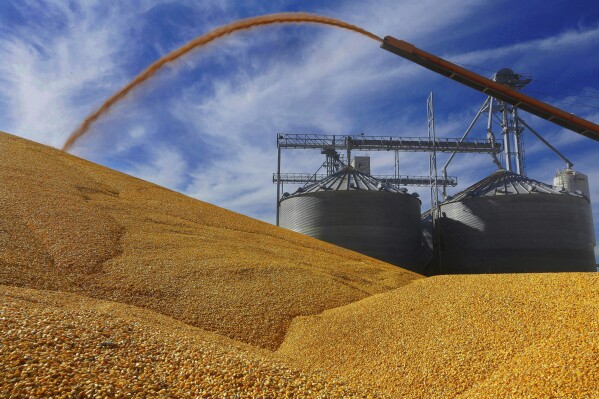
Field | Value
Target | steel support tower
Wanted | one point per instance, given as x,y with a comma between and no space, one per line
505,115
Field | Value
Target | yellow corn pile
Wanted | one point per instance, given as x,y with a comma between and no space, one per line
64,345
476,336
75,226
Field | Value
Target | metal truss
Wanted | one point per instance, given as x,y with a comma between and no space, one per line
403,180
386,143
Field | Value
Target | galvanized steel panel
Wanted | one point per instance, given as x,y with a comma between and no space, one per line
517,233
383,225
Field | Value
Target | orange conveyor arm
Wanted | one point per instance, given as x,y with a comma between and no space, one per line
491,88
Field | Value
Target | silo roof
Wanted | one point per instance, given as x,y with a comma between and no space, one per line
503,182
349,179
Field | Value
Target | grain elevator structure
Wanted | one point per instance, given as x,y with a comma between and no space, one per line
504,223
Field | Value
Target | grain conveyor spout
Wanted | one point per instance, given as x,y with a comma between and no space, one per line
491,88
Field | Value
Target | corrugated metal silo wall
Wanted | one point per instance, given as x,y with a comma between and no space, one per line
382,225
517,233
427,254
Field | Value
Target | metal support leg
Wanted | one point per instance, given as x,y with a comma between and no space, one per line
396,164
569,164
518,143
435,209
278,181
490,134
479,113
506,138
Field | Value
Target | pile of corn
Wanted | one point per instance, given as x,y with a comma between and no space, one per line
476,336
64,345
75,226
114,287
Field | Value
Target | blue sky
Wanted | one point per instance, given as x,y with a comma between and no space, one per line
206,126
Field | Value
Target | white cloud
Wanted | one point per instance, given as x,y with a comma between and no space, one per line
165,167
571,39
241,183
47,76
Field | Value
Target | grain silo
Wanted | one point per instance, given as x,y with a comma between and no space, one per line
353,210
509,223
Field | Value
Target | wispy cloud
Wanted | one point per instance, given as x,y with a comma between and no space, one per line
165,166
571,39
51,72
